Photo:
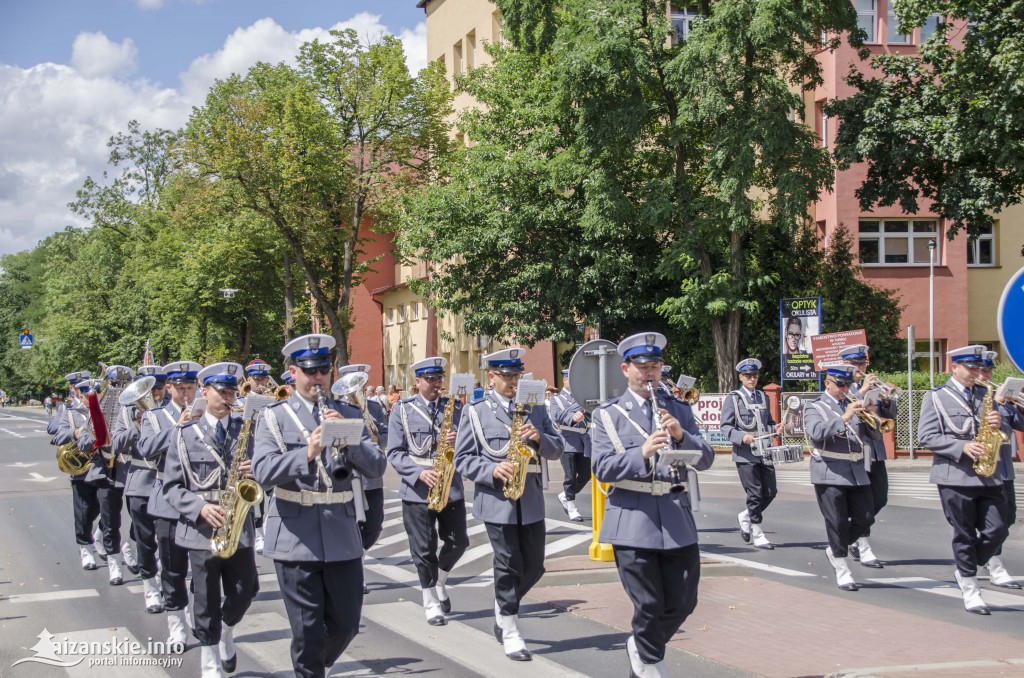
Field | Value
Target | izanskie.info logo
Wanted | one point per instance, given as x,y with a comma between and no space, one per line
124,651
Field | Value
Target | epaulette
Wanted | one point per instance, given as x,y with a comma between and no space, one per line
277,404
190,422
474,401
407,400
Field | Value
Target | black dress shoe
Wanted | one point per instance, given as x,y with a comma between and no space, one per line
848,587
439,620
876,564
446,605
497,633
520,656
229,664
746,538
853,551
134,569
366,589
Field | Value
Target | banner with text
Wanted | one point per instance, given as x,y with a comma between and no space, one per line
826,347
799,322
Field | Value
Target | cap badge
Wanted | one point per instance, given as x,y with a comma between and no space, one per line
314,343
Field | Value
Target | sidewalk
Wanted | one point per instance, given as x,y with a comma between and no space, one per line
777,630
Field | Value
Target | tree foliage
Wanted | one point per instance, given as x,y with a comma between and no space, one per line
946,124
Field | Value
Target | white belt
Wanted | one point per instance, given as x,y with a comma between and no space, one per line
210,495
842,456
422,461
311,498
582,430
142,463
657,488
533,468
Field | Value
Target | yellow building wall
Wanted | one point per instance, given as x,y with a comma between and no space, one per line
985,283
456,33
405,327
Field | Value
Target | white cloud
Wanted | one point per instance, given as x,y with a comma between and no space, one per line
55,119
150,4
95,56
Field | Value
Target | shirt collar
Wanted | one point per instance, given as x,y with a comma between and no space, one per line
960,386
637,398
307,403
212,420
423,402
502,400
835,400
747,392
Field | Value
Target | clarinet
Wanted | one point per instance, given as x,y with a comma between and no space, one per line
340,469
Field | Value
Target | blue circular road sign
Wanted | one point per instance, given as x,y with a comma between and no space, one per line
1011,319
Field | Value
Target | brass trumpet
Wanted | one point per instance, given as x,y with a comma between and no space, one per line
873,420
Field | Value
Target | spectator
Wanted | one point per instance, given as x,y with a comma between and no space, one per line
48,404
381,397
394,396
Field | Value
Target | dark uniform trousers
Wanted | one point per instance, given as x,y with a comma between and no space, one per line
518,560
424,527
86,505
314,591
577,474
879,476
111,500
848,514
236,577
173,565
759,482
1009,510
663,588
976,514
144,528
370,529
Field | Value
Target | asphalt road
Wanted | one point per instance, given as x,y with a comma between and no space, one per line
43,586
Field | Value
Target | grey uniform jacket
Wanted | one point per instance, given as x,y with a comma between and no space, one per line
641,519
873,438
562,408
404,443
55,421
739,418
195,444
319,532
141,473
830,435
64,432
946,424
476,460
158,426
380,416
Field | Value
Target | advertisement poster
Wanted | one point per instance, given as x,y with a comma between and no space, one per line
799,321
708,413
826,347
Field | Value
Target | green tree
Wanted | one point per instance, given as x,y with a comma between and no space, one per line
617,170
946,124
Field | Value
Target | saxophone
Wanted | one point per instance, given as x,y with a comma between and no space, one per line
988,436
239,495
519,455
444,462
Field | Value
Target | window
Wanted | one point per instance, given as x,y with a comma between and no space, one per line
401,314
921,355
894,36
897,242
824,128
458,63
931,24
471,50
981,251
867,18
683,20
497,36
415,310
391,375
821,123
390,316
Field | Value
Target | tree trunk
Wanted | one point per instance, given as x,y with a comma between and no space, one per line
247,330
289,299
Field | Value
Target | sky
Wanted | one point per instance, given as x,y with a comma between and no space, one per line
74,72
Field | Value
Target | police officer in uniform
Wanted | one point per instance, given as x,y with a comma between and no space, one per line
746,420
413,431
108,473
257,374
139,485
198,464
311,529
997,572
66,426
288,380
572,425
373,488
515,527
155,434
858,356
973,504
648,519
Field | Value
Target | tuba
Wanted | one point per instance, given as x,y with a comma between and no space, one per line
352,384
139,395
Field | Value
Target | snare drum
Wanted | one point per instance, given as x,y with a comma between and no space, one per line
784,454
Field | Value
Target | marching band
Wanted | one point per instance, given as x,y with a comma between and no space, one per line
198,453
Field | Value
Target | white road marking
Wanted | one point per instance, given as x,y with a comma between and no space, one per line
951,590
754,565
22,464
53,595
10,432
36,478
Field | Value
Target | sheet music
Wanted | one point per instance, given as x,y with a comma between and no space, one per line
255,402
197,408
530,392
1011,389
341,432
461,385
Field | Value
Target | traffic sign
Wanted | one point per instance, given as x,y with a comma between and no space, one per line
1011,319
25,339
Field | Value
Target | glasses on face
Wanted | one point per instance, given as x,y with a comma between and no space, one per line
750,375
435,378
795,335
311,371
838,385
514,376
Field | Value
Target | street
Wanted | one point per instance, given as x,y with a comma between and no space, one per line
773,613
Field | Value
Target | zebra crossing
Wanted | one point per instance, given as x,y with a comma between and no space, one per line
912,485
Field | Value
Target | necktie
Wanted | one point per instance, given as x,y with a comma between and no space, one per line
316,412
757,398
221,434
646,407
843,404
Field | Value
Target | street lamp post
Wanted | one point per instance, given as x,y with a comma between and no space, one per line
931,312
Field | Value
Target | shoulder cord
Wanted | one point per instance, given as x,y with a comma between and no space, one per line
321,471
186,464
754,420
613,435
822,410
479,432
416,450
944,415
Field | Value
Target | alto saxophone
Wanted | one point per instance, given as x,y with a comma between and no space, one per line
990,437
444,461
519,455
239,495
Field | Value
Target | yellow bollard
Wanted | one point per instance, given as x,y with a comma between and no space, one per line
599,552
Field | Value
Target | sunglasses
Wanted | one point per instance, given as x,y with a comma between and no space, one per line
433,378
310,371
